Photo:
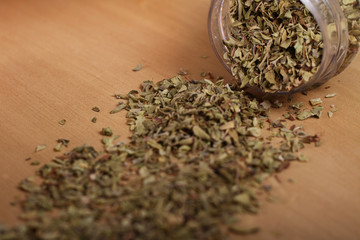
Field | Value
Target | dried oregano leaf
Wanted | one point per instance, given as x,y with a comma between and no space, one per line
305,114
331,95
40,147
330,114
199,132
61,143
316,101
117,109
96,109
138,67
35,163
62,122
107,131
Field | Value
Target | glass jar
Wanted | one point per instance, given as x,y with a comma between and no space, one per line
339,24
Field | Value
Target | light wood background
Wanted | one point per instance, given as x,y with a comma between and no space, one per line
59,58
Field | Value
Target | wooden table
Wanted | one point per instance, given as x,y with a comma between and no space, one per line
61,58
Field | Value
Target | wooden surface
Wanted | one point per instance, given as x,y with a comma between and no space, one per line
61,58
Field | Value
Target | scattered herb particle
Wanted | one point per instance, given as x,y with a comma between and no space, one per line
305,114
121,96
331,95
40,147
94,120
183,72
317,111
61,143
138,67
199,132
330,114
117,109
107,131
297,105
58,147
35,163
62,122
315,101
291,180
96,109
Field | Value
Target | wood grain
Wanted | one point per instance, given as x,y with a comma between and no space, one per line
61,58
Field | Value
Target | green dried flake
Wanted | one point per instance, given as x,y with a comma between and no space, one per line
330,114
121,96
277,104
40,147
183,72
58,147
286,115
61,143
291,180
297,105
331,95
107,131
119,108
35,163
94,119
62,122
138,67
254,131
317,111
305,114
28,185
200,133
316,101
243,199
303,158
96,109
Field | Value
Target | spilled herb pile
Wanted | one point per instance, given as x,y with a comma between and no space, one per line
275,45
198,153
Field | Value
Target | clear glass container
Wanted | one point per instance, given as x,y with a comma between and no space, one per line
334,20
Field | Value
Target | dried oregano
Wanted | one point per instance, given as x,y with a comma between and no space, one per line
195,159
351,10
274,45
